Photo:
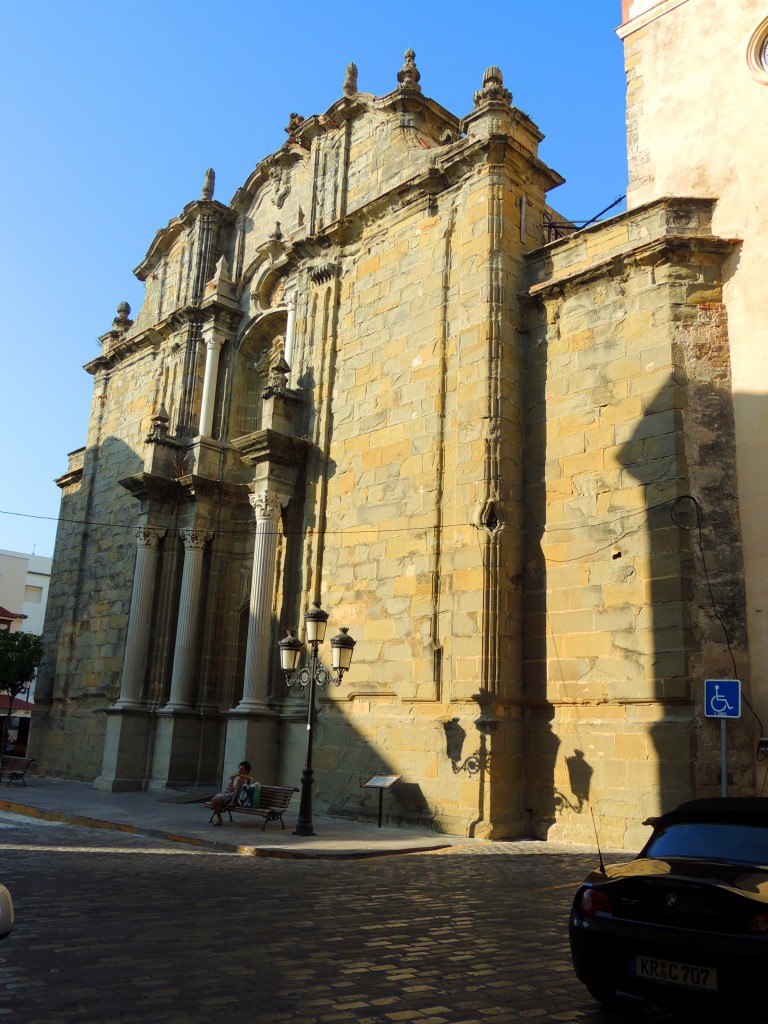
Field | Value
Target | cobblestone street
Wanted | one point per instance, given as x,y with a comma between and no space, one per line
118,928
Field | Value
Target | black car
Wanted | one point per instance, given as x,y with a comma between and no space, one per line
687,919
6,912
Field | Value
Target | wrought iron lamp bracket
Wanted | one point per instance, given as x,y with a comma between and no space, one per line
303,677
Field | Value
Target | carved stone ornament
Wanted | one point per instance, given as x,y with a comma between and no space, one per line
123,319
209,183
148,536
195,540
294,121
266,505
323,271
281,184
350,80
493,88
408,76
159,425
277,381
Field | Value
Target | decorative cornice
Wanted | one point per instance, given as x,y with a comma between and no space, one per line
652,13
70,478
271,446
652,253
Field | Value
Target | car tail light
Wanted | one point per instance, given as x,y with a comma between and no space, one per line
759,924
593,901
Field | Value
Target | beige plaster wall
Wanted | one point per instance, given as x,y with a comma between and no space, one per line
696,125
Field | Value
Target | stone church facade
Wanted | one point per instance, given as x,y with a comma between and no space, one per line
387,378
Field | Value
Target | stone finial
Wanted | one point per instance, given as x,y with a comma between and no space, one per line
159,425
350,80
493,88
209,183
123,319
222,271
408,76
294,120
277,380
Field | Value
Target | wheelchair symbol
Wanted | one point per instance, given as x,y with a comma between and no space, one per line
718,704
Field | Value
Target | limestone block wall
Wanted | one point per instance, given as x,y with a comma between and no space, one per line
424,379
629,419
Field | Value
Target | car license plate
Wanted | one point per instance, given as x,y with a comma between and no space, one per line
670,972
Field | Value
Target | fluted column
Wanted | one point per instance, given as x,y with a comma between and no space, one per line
213,342
187,628
147,540
267,506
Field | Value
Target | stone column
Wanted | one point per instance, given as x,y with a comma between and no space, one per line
187,630
290,330
213,342
267,506
147,539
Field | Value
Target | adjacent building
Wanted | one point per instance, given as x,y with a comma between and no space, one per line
389,379
24,582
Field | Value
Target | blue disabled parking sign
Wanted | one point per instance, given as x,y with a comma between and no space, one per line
722,698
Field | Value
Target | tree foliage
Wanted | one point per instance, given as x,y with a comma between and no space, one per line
20,654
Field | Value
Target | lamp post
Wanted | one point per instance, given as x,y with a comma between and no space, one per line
313,675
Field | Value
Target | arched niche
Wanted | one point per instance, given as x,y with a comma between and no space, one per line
260,344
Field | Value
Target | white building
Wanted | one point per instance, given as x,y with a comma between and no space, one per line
24,581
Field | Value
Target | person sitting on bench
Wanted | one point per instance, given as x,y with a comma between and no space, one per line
236,782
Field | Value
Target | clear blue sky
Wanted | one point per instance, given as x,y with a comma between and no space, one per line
112,112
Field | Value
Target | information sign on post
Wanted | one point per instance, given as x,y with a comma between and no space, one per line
722,699
381,782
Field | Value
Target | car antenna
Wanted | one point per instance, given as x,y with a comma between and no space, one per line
597,840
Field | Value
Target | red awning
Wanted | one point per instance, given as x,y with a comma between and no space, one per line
18,705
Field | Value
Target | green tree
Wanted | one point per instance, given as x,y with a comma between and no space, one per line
20,654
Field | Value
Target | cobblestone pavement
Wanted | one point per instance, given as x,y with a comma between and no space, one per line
119,928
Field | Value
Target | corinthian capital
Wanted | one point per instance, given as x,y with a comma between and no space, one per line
195,540
148,536
267,504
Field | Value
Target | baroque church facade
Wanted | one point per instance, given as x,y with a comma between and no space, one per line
388,379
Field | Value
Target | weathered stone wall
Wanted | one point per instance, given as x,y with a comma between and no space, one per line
627,389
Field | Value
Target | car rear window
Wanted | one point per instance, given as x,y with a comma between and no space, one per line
747,844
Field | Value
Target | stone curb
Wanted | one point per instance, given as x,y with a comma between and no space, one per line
212,844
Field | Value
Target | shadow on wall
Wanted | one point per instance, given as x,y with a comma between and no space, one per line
696,577
680,562
90,586
344,759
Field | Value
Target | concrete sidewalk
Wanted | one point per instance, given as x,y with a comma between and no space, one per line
183,818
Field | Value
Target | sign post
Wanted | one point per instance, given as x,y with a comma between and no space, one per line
381,782
722,699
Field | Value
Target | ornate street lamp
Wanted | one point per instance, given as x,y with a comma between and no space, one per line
313,675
